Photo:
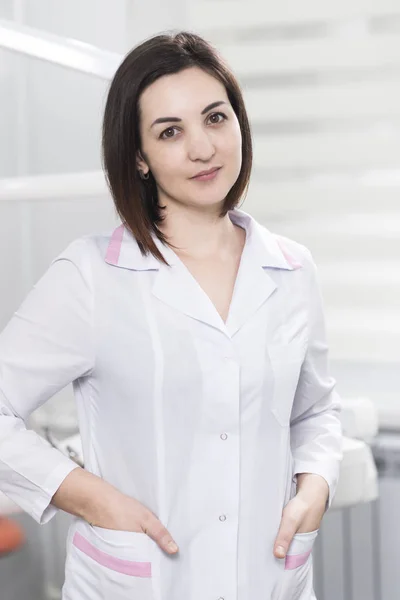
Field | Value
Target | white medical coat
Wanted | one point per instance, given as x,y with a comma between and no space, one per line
205,423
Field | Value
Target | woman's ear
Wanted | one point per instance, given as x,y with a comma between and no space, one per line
141,164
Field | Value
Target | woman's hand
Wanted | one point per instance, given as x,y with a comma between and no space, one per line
123,513
304,512
101,504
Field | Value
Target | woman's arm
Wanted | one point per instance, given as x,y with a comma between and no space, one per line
47,344
315,428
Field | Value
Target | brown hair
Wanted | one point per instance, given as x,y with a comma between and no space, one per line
135,199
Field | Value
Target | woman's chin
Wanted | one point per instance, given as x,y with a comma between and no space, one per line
212,197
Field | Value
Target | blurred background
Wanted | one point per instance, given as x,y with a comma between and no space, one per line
322,85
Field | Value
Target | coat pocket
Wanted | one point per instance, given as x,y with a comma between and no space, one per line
297,577
103,564
286,361
300,549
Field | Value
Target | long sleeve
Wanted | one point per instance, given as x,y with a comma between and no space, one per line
316,433
47,344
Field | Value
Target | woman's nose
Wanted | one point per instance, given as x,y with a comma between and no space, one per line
201,147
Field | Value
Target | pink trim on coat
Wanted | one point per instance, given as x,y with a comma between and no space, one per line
127,567
114,247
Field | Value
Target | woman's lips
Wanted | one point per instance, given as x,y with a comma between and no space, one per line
208,175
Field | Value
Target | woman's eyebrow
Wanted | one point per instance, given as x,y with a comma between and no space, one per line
212,105
178,120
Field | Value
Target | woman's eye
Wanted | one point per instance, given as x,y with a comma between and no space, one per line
217,118
168,133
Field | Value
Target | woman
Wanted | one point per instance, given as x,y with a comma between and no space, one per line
195,341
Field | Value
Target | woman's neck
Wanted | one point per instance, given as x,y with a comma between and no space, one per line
199,234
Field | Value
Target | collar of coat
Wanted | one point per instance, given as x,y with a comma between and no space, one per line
269,249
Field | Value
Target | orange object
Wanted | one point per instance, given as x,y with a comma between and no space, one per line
11,536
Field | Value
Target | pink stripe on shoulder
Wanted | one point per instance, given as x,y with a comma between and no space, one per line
114,247
127,567
296,560
289,258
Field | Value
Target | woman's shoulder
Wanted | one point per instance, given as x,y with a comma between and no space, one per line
296,253
91,245
87,251
292,247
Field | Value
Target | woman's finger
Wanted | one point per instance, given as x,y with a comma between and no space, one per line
156,530
285,535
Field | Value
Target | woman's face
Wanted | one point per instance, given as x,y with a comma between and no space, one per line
188,126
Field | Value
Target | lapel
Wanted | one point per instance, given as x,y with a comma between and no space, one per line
174,284
254,284
253,287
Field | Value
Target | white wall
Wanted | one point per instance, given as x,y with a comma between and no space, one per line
6,9
61,109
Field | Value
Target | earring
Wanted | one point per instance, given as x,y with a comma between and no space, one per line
144,176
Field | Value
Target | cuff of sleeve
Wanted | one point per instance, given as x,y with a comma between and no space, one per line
329,472
43,511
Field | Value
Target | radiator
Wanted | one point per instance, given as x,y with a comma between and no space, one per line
357,555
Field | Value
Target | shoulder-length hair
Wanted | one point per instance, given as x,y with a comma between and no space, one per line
135,199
